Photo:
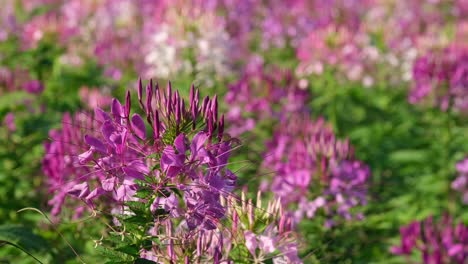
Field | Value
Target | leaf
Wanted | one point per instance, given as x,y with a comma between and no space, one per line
410,155
128,249
23,237
144,261
144,193
12,100
114,256
137,207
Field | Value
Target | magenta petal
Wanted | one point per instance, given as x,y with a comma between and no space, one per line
107,130
139,126
155,205
109,184
172,171
179,143
10,121
250,242
171,163
125,192
34,87
132,173
96,143
455,250
196,148
79,190
266,244
94,194
462,166
139,166
198,141
396,250
223,154
117,139
85,157
101,115
117,110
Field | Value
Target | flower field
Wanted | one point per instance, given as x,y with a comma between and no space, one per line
234,131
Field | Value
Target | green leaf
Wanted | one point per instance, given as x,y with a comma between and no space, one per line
144,261
409,155
137,207
128,249
114,256
23,237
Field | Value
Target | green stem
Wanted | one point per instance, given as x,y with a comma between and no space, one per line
20,248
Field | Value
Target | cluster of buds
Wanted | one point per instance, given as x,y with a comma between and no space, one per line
268,232
249,232
313,169
443,242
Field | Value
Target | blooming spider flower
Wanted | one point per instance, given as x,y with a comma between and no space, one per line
442,79
260,95
165,169
313,169
439,242
461,182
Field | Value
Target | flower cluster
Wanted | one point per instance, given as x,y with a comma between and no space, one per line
279,28
259,95
8,21
117,147
163,38
181,44
313,169
9,122
18,80
252,233
461,182
94,98
266,231
443,242
157,38
442,79
168,168
61,162
351,53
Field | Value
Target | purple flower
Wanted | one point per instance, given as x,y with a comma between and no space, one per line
314,169
34,87
63,160
260,95
182,162
442,242
9,122
409,236
442,79
461,182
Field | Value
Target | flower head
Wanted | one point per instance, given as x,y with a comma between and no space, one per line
439,242
314,170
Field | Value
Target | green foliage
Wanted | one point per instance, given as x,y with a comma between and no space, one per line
23,238
412,153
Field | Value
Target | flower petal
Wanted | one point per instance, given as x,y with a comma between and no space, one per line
139,126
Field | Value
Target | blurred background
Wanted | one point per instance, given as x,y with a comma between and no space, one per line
384,81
